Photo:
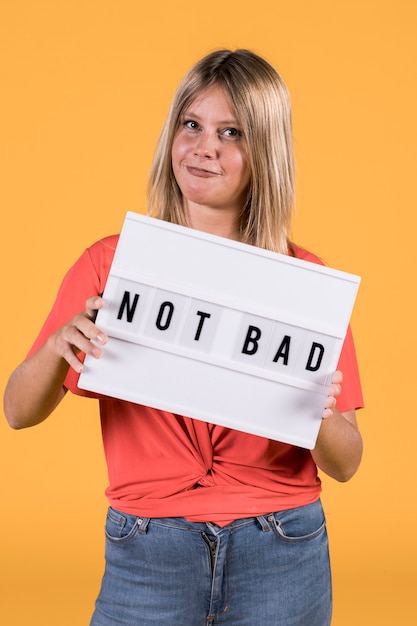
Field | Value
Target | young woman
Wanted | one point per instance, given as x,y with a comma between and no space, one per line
206,525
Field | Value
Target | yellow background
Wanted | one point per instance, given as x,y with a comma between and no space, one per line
85,86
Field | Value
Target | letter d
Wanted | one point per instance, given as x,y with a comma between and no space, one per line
318,356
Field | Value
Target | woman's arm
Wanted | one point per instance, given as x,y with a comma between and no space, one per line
338,449
35,388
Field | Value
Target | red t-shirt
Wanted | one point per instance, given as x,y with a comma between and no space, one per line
166,465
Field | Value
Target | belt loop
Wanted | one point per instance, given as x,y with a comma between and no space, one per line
264,524
143,523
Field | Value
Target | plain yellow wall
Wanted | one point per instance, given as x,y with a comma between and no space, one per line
84,88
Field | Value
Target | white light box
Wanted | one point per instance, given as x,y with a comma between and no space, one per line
220,331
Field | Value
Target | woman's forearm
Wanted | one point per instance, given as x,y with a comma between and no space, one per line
338,449
35,388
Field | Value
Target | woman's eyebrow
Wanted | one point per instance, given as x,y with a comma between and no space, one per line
189,113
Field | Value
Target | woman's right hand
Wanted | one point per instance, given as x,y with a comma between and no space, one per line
36,386
80,335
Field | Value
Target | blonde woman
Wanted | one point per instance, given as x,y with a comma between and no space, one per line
205,525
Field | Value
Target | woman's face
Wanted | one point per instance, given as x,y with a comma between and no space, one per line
209,157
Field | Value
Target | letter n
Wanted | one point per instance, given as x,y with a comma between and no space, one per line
125,304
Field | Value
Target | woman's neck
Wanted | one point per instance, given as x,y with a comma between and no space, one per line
215,222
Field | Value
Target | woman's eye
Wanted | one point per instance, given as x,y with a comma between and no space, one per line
191,124
233,133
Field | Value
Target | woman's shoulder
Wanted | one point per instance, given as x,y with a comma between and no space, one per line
305,255
98,257
105,246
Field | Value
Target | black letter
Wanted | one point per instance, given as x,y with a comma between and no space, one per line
284,350
130,310
252,337
203,316
162,308
309,366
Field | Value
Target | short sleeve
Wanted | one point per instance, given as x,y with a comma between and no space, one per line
351,396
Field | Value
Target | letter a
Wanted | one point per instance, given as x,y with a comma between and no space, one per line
283,351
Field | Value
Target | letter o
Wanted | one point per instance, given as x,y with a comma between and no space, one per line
166,311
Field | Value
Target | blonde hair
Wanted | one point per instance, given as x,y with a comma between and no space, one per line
262,106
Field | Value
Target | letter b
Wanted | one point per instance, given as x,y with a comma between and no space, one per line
251,340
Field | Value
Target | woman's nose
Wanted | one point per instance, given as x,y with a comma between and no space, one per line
206,145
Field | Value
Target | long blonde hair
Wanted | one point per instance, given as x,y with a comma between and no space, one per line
262,107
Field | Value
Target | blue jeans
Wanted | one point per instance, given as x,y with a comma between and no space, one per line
266,570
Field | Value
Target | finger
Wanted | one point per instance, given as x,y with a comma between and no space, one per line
329,405
73,340
93,305
79,337
337,377
326,414
330,402
71,357
334,390
88,328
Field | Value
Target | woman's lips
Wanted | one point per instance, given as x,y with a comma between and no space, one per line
202,173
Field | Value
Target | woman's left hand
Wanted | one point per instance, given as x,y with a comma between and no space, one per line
334,391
